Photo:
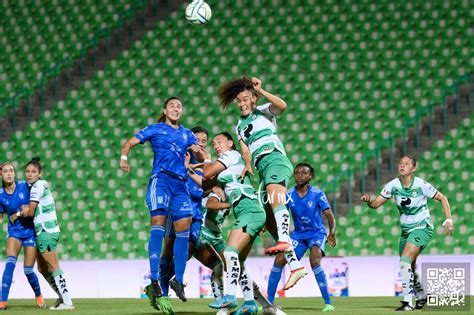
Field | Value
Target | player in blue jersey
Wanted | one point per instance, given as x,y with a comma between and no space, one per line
21,233
203,252
167,191
307,205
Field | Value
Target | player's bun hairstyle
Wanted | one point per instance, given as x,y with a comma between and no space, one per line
229,137
306,165
200,129
229,90
411,157
35,161
162,117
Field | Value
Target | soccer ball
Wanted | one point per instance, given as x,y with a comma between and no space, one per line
198,12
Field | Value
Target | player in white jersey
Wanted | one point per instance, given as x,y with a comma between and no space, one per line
259,142
43,209
411,193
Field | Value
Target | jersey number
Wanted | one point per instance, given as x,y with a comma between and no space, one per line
405,201
247,130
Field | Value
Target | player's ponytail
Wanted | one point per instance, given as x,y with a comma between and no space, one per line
229,90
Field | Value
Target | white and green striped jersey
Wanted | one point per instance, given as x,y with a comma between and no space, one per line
411,202
214,220
229,180
258,132
45,215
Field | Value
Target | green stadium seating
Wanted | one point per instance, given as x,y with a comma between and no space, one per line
350,72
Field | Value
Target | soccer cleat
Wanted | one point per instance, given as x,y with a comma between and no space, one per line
405,307
3,306
151,297
280,247
295,276
273,309
178,288
328,308
62,307
40,302
420,303
249,307
227,301
165,305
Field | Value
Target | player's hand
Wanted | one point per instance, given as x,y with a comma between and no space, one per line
449,226
187,159
124,166
331,240
365,198
219,191
247,168
257,84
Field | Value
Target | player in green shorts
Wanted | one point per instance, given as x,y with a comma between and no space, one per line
260,144
43,209
249,220
411,193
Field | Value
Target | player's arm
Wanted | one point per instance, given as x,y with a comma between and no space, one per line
448,223
215,205
332,226
29,210
247,157
374,204
210,169
278,105
126,148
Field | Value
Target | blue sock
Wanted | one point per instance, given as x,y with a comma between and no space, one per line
273,281
157,232
322,283
32,279
7,277
180,251
166,271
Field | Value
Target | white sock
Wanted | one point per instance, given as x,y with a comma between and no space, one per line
246,283
50,279
232,272
418,287
407,281
292,260
282,218
61,284
217,281
259,297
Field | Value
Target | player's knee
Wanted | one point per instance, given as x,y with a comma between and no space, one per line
280,260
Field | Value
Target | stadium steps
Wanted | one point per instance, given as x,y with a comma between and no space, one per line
71,78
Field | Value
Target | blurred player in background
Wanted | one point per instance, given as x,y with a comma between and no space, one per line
307,204
43,209
21,233
411,193
167,192
258,139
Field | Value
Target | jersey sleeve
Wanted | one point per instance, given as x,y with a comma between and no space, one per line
191,138
265,110
145,134
237,133
387,190
37,191
229,158
323,202
212,194
428,189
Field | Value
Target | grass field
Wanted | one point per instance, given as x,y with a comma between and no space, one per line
351,305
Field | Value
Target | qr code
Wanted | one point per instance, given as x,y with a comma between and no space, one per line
447,284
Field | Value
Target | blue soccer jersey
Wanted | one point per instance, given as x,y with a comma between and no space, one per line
169,146
307,212
195,191
10,204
